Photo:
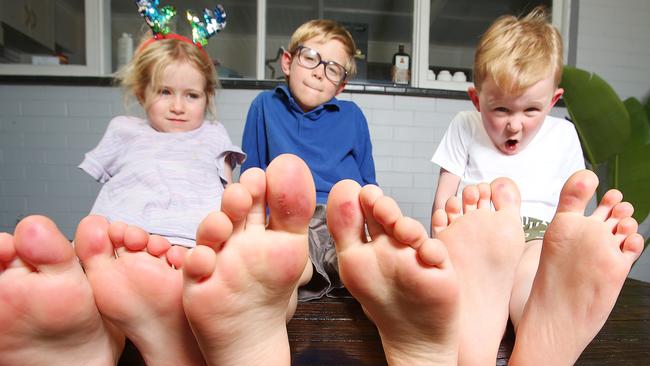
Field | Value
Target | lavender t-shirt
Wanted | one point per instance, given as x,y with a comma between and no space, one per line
165,183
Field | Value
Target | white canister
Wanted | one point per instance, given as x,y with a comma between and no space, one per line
124,49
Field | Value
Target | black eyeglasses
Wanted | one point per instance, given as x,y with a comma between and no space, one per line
310,59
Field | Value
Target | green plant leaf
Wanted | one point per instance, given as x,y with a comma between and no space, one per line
646,106
601,119
630,173
639,123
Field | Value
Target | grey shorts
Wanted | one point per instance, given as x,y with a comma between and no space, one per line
534,229
322,253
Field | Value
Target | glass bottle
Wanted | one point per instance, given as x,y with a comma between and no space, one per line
401,69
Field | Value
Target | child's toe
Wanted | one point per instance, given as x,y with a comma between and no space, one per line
344,217
92,241
505,194
290,194
214,230
200,262
577,191
471,197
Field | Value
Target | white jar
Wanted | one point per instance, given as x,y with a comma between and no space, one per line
124,50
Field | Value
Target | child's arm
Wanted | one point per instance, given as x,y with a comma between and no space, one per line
254,141
363,148
227,170
101,163
452,154
228,155
367,163
447,187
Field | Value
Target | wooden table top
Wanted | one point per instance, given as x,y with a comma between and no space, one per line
336,332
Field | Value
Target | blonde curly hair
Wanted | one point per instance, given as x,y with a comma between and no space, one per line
517,52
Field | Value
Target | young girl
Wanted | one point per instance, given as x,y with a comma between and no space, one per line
166,172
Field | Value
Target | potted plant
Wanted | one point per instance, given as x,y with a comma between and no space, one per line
615,136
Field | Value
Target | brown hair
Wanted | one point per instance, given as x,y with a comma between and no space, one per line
150,61
328,30
517,52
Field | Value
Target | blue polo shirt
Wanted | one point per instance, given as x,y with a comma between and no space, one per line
333,139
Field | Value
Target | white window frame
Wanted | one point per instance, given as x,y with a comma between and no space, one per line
261,39
420,66
98,58
98,45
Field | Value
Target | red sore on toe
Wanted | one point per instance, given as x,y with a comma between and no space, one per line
348,212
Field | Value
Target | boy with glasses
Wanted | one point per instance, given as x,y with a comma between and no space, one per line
304,118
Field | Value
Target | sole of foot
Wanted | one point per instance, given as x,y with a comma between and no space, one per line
47,310
583,266
407,285
240,280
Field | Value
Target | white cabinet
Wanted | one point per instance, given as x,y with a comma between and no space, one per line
33,18
41,36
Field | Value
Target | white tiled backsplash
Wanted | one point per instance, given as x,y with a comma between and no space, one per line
45,131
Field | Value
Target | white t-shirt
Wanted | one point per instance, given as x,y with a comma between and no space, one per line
165,183
539,170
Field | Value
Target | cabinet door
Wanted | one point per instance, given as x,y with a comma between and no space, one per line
54,37
33,18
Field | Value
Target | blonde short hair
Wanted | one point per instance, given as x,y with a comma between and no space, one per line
517,52
146,68
328,30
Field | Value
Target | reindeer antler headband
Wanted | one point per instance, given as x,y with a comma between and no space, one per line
159,19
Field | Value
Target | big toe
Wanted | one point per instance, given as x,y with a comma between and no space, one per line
40,243
505,194
92,242
345,219
577,191
290,194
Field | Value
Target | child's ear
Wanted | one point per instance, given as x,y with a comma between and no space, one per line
286,63
556,96
340,88
140,98
473,95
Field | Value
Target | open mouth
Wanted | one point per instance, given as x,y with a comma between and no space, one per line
511,144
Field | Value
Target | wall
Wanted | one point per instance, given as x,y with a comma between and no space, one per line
45,131
614,42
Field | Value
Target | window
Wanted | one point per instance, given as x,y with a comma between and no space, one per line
377,26
232,50
45,37
437,34
455,28
451,31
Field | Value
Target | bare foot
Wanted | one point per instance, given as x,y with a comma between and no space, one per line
485,247
47,311
239,283
403,279
583,265
139,291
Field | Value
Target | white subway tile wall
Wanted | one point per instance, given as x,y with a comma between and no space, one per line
45,130
39,152
614,42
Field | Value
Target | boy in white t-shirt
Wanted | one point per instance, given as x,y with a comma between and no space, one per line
517,69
